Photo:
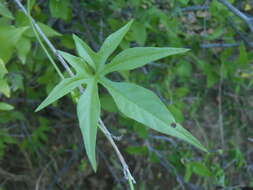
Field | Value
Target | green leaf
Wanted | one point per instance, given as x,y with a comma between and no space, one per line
11,35
4,87
137,150
85,51
48,31
107,103
3,69
23,47
60,9
137,57
4,11
77,63
112,42
88,111
60,90
200,169
5,106
139,33
145,107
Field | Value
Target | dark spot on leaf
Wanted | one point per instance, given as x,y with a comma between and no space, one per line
173,125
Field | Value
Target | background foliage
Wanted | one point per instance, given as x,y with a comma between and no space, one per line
208,90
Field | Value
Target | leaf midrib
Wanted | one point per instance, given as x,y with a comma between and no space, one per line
115,63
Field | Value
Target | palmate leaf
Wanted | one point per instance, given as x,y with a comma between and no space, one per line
137,57
145,107
112,42
77,63
88,111
85,51
60,90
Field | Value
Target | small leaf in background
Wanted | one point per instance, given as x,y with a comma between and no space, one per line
16,81
67,41
177,113
23,48
6,139
21,20
107,103
5,106
4,11
184,69
200,169
137,150
88,111
218,32
139,33
11,35
3,69
60,9
4,88
6,52
137,57
141,130
247,7
49,32
184,2
243,55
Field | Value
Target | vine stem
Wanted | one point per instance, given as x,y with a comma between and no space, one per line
126,171
102,126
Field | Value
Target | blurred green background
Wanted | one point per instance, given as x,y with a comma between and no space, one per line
209,91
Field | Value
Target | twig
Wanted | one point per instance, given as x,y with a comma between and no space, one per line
166,164
221,45
224,45
164,138
195,8
242,35
37,186
220,109
13,177
121,158
244,17
67,166
126,171
115,176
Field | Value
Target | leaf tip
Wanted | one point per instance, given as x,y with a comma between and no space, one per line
131,22
37,109
94,167
75,37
